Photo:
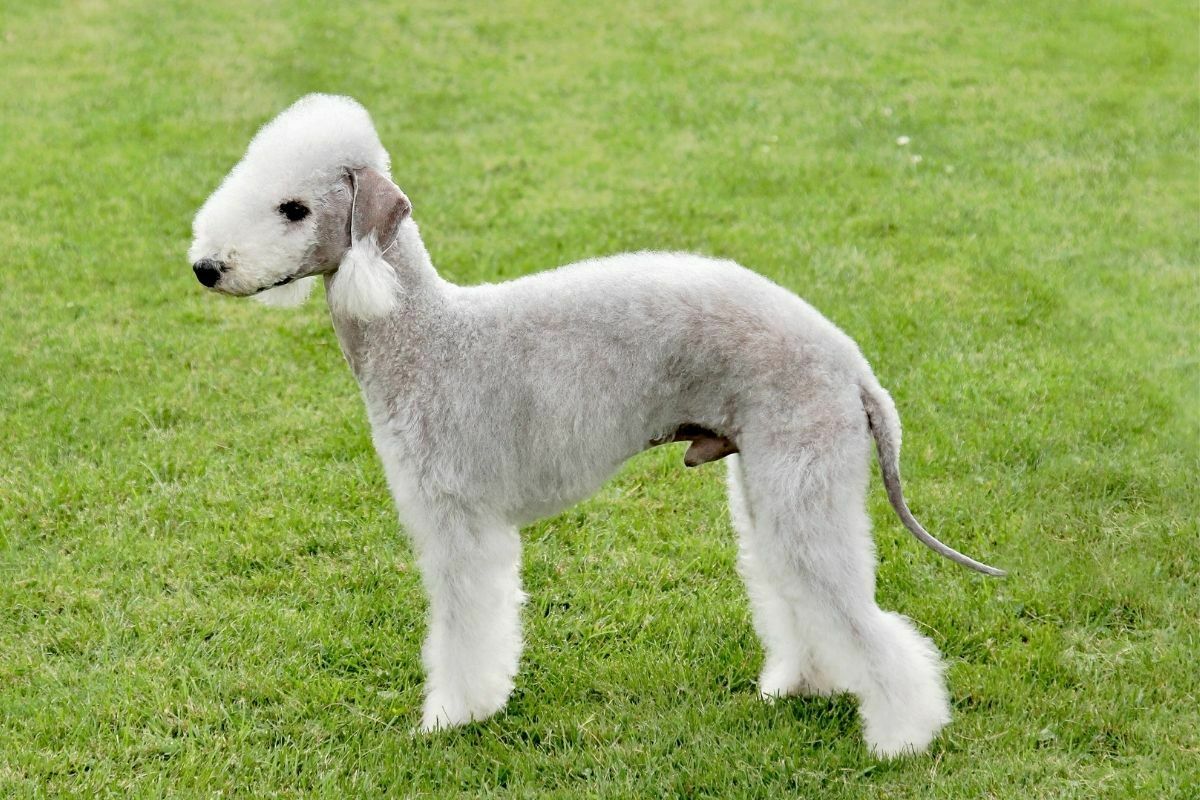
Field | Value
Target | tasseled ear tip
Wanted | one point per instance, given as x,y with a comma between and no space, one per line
289,295
364,286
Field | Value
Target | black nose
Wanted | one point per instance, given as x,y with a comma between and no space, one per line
208,271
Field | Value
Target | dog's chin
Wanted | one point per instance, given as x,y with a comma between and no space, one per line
234,291
286,293
234,287
284,281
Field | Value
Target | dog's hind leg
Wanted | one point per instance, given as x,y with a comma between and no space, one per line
811,541
789,667
471,572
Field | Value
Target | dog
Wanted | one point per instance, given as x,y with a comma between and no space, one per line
492,406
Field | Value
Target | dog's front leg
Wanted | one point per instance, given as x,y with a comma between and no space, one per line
471,572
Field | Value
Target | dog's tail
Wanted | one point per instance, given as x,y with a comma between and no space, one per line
885,429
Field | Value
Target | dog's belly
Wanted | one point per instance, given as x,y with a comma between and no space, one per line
553,488
553,492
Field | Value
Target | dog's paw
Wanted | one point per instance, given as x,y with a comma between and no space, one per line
444,710
781,679
440,719
899,743
895,735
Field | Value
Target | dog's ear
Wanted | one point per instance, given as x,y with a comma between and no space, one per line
377,206
365,285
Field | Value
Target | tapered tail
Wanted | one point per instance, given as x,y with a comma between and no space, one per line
885,429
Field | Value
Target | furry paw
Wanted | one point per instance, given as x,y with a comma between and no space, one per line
892,735
781,679
444,710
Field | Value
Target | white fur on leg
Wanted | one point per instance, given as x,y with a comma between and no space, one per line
289,295
812,547
895,673
474,642
365,285
789,668
906,704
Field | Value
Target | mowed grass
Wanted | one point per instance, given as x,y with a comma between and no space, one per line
203,589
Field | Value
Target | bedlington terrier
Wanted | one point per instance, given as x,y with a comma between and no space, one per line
492,406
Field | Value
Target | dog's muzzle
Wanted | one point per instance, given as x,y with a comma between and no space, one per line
208,271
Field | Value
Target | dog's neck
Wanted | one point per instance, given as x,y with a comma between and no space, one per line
410,259
419,296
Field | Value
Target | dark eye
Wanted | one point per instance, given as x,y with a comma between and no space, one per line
294,210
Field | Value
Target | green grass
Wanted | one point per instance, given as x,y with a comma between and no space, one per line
203,590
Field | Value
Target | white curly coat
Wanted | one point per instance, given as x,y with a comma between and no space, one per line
491,406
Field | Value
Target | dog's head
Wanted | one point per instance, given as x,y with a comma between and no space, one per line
313,187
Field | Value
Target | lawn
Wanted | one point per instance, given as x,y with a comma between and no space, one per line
203,588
